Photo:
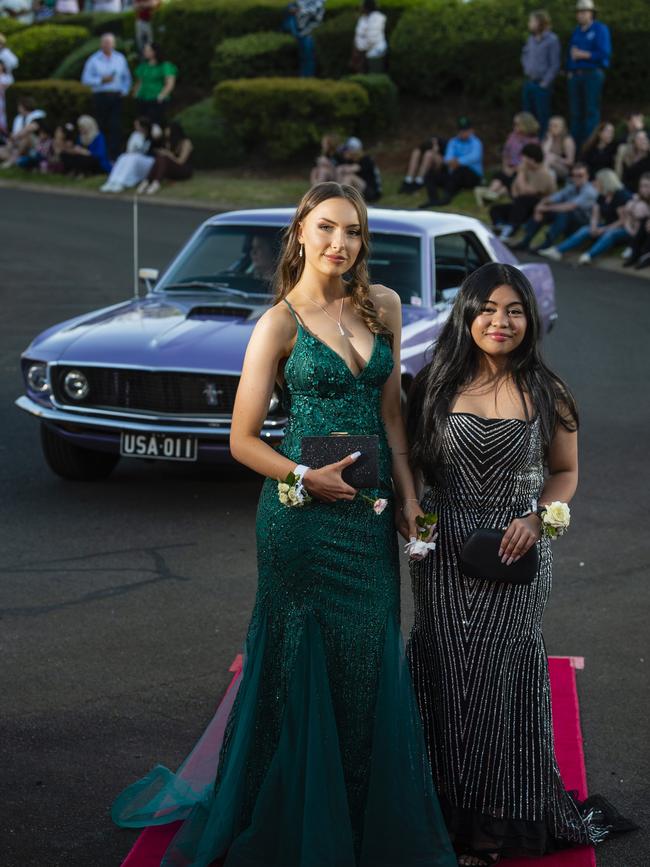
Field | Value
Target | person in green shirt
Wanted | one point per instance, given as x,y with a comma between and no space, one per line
155,79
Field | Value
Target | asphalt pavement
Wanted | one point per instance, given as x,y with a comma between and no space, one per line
123,602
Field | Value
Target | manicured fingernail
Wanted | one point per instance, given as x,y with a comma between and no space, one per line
504,558
511,560
517,558
500,552
355,455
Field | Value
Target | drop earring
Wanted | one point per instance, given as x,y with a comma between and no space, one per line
300,252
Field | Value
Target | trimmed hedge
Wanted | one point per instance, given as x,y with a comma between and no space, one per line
72,66
119,23
383,97
282,117
189,30
254,55
10,25
62,101
41,49
215,144
334,40
448,45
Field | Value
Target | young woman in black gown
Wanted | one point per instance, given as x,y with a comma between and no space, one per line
493,432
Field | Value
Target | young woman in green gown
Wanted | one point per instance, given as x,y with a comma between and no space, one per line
323,762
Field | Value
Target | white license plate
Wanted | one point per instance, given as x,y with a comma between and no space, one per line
158,445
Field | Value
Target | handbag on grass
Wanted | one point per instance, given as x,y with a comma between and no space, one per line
317,452
479,558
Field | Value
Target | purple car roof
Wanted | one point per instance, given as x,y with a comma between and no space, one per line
381,219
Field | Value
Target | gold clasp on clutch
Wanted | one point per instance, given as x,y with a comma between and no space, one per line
339,433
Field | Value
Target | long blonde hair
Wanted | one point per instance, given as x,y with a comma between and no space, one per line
291,263
88,129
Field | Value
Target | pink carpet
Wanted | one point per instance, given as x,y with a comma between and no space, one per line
152,842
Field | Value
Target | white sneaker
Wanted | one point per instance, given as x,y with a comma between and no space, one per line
106,188
142,186
153,187
585,259
551,253
627,252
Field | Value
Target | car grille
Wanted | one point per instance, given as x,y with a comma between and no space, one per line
166,392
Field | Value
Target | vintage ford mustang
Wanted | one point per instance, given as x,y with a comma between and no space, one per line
156,376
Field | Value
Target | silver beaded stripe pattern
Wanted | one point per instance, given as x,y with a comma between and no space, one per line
477,653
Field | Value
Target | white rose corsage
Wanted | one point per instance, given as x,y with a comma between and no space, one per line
291,491
555,518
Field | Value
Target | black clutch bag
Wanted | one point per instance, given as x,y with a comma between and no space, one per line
480,559
317,452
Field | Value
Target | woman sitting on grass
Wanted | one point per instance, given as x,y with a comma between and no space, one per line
328,159
89,156
525,129
134,165
172,161
559,148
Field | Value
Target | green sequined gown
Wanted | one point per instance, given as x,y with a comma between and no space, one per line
323,762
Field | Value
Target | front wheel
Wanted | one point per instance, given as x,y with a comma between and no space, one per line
72,462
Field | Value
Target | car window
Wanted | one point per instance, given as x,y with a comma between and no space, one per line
244,258
455,256
395,261
239,257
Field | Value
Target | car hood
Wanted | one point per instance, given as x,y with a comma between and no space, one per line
198,333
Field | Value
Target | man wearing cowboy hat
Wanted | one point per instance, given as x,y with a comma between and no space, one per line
590,49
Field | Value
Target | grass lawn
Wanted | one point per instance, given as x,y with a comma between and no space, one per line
230,189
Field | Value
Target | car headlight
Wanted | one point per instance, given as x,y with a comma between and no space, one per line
274,403
37,378
76,385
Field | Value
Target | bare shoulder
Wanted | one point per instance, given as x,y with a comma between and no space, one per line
276,325
387,302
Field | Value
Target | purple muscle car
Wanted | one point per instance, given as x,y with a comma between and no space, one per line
156,377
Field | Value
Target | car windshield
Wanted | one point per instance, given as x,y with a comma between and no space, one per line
241,260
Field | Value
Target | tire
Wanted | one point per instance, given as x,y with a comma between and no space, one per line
74,463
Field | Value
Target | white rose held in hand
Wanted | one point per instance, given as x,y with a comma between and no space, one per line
418,549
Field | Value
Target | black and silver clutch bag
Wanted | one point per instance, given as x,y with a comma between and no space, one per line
317,452
479,558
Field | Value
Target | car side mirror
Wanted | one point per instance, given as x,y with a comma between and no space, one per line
148,276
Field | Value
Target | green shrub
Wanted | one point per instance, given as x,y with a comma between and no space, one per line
383,97
334,40
392,9
72,66
254,55
189,30
8,26
448,45
215,144
282,117
119,23
41,49
62,101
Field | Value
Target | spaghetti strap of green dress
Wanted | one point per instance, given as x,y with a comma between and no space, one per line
322,762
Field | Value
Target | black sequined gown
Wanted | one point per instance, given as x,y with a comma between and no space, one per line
478,658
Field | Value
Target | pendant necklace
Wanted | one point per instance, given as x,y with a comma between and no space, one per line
338,321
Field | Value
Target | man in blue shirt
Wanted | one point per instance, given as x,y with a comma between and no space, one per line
540,60
590,49
567,210
107,73
462,167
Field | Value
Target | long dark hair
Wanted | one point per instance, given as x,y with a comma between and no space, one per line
456,362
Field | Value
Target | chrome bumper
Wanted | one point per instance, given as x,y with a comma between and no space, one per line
217,431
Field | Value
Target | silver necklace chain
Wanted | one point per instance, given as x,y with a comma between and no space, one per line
338,321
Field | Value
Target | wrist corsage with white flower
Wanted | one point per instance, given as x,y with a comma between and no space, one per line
555,518
418,548
291,491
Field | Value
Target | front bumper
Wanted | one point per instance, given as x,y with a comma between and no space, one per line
102,433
